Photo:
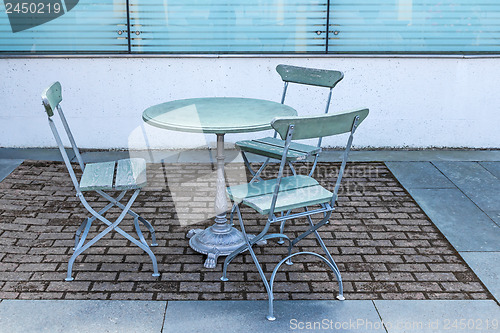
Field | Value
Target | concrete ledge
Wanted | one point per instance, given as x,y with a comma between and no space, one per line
232,155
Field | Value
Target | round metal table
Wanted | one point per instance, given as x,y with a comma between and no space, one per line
218,115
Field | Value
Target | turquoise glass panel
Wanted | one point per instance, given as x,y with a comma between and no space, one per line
78,26
414,26
223,26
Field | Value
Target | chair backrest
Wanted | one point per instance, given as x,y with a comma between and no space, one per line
318,126
297,128
309,76
51,99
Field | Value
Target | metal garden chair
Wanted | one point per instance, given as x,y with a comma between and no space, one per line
297,192
100,177
272,147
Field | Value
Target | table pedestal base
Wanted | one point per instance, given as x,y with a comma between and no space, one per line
214,244
215,241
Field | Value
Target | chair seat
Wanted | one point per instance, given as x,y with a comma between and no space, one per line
295,192
130,174
273,147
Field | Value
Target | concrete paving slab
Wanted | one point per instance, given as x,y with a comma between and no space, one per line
485,265
41,154
495,216
493,167
334,156
475,181
291,316
81,316
257,158
234,156
151,156
209,156
197,156
103,156
459,219
419,175
439,316
7,166
157,156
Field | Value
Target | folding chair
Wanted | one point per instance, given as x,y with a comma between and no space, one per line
99,177
297,192
272,148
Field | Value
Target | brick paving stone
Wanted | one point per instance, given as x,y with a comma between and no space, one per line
448,296
462,286
407,267
445,267
64,286
384,245
25,286
435,276
112,286
96,276
15,276
132,296
41,295
479,295
419,286
375,286
177,296
396,276
8,295
49,267
80,295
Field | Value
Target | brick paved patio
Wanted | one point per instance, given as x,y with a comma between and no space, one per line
384,244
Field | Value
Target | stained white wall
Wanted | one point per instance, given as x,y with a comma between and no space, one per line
414,102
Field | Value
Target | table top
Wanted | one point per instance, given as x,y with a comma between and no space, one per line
216,115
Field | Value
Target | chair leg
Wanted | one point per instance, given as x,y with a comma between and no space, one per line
230,258
244,247
139,232
80,248
292,168
132,213
270,316
282,227
231,215
150,228
90,220
255,174
79,232
145,247
275,271
335,268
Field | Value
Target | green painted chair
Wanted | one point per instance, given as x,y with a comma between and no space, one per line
130,175
299,196
272,147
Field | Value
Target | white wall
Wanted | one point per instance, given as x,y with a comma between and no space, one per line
414,102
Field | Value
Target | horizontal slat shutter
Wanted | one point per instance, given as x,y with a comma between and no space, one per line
90,26
227,26
417,26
